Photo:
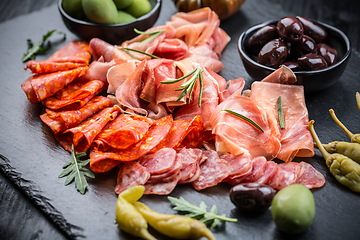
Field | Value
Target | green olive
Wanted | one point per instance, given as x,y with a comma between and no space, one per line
121,4
139,8
101,11
124,17
73,8
293,209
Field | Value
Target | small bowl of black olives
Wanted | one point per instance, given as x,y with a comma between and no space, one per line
316,52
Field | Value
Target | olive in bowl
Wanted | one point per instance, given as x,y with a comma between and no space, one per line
86,29
313,80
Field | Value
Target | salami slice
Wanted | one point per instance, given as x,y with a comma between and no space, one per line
276,179
131,174
163,177
190,169
213,171
159,162
270,170
257,170
162,188
41,86
124,131
240,165
99,159
74,95
184,133
311,178
292,171
83,135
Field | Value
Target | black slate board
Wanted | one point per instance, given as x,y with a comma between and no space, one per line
31,157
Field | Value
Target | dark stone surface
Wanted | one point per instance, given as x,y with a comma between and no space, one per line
31,158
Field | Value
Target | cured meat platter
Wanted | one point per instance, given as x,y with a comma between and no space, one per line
31,154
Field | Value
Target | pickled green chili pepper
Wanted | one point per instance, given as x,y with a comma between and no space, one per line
351,150
344,169
128,218
174,226
354,137
358,99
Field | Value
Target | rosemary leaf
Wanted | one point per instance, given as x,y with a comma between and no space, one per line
152,36
244,118
280,113
138,51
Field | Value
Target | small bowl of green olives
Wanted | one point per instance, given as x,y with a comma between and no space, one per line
316,52
113,21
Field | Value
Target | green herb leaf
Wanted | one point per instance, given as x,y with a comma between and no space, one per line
152,36
280,113
189,84
42,47
138,51
74,169
244,118
200,212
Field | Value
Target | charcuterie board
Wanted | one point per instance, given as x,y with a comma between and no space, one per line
32,158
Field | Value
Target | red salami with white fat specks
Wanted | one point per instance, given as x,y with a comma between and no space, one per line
131,174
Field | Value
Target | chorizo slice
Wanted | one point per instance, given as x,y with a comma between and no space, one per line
99,159
74,95
61,120
129,175
83,135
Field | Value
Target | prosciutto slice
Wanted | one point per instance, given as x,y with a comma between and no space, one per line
237,136
60,120
295,138
74,95
172,49
109,52
40,86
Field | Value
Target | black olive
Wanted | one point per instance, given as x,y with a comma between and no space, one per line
252,197
327,52
312,61
304,46
294,66
260,38
290,29
273,53
313,30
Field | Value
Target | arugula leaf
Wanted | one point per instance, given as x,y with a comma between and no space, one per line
75,170
42,47
152,36
200,212
244,118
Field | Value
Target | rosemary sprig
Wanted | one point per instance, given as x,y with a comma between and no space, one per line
189,84
41,47
280,113
152,36
244,118
200,212
75,170
138,51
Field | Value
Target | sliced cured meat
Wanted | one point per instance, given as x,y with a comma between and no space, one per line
72,55
269,171
109,52
124,131
128,95
240,165
257,170
232,87
160,161
291,171
131,174
156,71
209,101
156,111
74,95
191,158
117,74
83,135
171,49
236,135
163,177
103,161
283,75
162,188
183,133
213,171
311,178
40,86
295,138
59,121
276,179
